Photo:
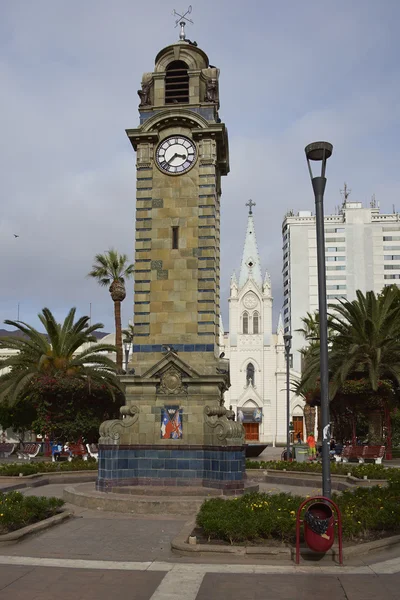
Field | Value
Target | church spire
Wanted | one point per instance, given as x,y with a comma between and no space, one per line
250,267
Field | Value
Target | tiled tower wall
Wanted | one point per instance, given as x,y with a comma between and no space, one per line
177,291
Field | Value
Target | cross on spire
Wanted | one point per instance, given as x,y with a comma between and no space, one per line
250,204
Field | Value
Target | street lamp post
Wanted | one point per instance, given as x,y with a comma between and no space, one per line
321,151
288,343
127,348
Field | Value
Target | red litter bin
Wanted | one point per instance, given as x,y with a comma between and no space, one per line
319,527
320,517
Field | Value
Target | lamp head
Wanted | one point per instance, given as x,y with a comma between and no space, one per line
318,151
288,341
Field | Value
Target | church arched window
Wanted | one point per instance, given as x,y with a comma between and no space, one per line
177,83
245,322
250,374
256,323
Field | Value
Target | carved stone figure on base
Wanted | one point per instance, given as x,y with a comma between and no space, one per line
211,91
144,94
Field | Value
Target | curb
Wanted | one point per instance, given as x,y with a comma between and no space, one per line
16,536
304,479
180,544
39,479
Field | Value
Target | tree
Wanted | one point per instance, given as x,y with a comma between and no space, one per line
112,269
18,416
364,356
61,376
67,409
61,350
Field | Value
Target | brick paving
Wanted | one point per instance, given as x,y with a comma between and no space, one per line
22,583
299,587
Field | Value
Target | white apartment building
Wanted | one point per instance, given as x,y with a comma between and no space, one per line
256,354
362,249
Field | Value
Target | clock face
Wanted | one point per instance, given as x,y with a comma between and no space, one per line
176,155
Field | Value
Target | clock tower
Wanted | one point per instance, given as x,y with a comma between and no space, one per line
182,153
174,421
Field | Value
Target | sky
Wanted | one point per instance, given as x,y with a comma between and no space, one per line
291,73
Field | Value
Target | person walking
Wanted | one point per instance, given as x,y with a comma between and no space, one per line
311,446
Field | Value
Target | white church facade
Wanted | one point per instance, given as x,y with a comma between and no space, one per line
256,354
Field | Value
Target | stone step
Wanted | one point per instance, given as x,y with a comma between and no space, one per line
147,490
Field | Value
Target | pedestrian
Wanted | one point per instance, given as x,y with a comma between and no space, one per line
311,446
299,440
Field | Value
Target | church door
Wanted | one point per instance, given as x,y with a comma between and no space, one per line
298,428
251,431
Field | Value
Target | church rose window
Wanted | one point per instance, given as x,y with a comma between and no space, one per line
250,374
177,83
256,323
245,323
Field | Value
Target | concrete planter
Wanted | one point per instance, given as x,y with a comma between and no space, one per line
181,544
16,536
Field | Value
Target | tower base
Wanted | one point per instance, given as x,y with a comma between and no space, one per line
218,467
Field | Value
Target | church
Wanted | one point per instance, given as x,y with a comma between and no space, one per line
257,355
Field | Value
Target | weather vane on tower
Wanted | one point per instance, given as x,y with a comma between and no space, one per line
181,20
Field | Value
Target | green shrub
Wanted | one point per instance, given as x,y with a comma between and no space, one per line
77,464
366,512
372,471
17,511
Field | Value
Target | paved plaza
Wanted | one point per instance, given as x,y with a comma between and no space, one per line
99,555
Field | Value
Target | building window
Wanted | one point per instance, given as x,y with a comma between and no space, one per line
392,257
391,267
250,374
335,258
177,83
336,268
175,238
391,238
394,276
391,248
335,287
245,323
256,323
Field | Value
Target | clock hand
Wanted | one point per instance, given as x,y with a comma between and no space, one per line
172,158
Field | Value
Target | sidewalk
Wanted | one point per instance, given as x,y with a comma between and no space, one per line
98,555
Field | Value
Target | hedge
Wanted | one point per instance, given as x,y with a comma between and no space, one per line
14,469
17,511
372,471
256,517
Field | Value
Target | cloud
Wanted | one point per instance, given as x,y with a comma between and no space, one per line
290,73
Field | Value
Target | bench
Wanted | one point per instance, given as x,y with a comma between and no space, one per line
93,451
6,449
361,453
78,449
69,451
28,451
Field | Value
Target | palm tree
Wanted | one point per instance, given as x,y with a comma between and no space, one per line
129,333
68,349
364,345
112,269
366,339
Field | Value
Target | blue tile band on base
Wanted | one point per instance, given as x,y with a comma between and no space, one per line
178,347
162,465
